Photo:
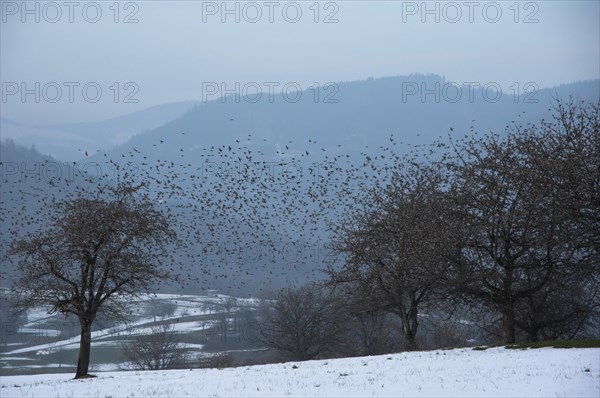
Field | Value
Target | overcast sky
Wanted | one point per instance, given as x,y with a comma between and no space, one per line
176,46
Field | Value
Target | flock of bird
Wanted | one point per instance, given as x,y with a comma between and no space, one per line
249,214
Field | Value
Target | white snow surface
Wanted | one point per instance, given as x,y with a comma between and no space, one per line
187,305
495,372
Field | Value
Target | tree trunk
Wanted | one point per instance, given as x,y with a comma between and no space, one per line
410,324
508,324
85,344
410,342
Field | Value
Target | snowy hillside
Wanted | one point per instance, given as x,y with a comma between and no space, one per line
494,372
43,343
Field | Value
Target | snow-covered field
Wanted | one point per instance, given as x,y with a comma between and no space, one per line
47,342
496,372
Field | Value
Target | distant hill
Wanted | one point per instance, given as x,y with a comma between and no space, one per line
362,113
202,151
68,142
24,177
12,152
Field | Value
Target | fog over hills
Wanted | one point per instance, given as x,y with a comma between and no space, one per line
241,160
417,109
68,142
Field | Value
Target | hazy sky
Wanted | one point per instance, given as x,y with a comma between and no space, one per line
175,47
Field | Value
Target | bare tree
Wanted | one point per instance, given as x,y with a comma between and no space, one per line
228,304
394,244
161,309
304,323
565,152
155,349
369,328
491,208
527,208
558,311
99,249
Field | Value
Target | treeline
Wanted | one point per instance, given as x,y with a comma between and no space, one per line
497,239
